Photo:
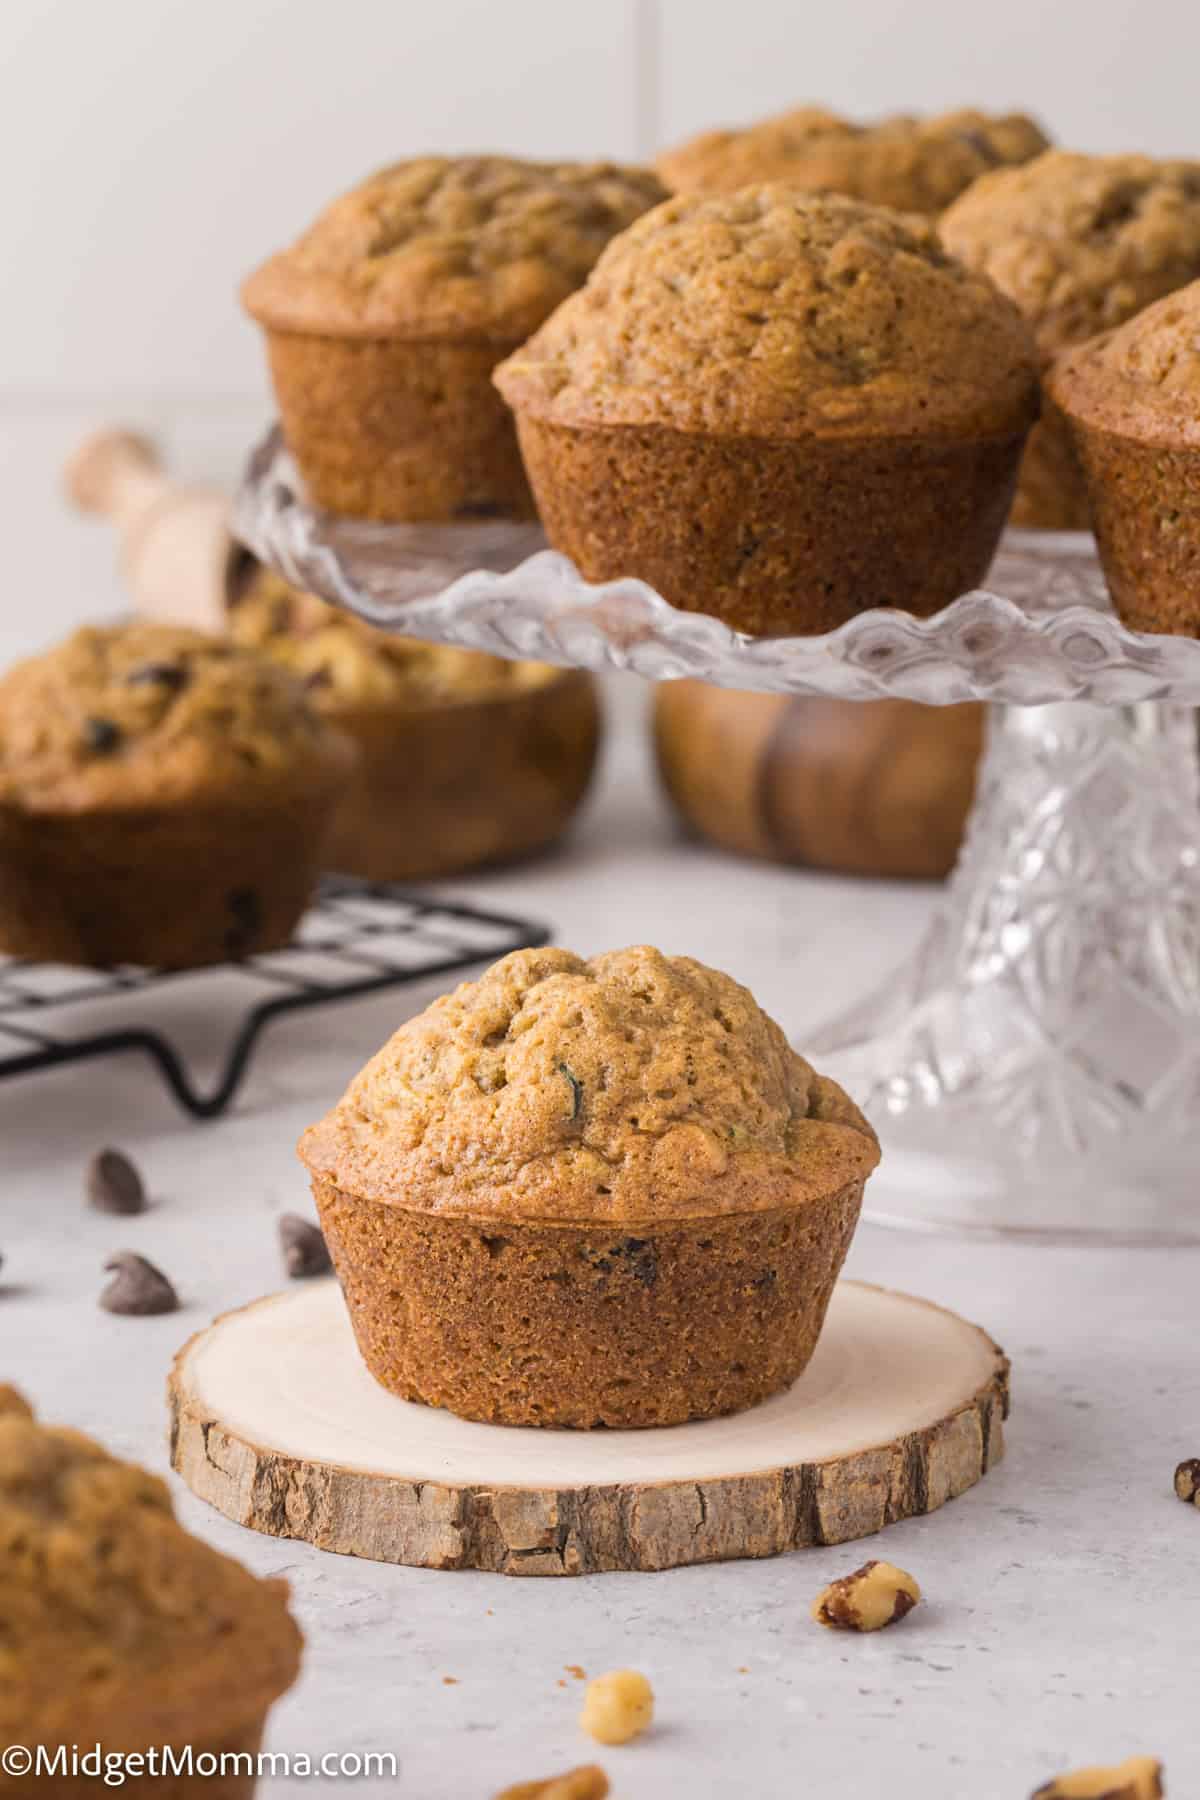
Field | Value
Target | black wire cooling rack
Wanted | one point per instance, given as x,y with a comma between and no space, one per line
357,938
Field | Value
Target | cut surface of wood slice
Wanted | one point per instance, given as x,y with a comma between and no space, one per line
276,1423
880,787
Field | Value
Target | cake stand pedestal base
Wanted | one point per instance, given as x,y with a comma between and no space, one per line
276,1423
1035,1069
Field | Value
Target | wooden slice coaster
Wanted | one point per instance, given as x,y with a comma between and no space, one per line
277,1424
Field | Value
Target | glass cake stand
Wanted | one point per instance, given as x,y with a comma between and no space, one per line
1035,1068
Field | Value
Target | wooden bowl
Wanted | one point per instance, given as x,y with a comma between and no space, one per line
443,789
877,787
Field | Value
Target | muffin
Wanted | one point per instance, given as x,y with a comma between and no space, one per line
1081,244
589,1193
119,1628
463,758
779,408
385,320
915,165
1130,401
164,799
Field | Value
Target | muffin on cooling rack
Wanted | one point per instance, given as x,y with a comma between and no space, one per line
589,1193
780,408
915,165
164,799
1081,244
118,1627
463,758
1130,400
385,320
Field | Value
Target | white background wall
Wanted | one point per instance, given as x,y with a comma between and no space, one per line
151,151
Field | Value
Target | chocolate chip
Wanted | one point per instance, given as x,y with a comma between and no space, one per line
304,1249
137,1287
318,678
245,909
576,1090
172,676
114,1185
101,735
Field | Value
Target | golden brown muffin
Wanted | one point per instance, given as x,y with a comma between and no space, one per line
779,408
915,165
164,799
1081,244
119,1628
1130,400
463,758
589,1193
385,320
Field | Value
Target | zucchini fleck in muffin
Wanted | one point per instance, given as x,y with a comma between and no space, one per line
589,1193
777,407
463,758
1081,244
915,165
164,799
385,320
1130,400
119,1628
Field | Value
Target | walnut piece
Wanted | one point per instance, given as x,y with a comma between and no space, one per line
874,1596
617,1706
1187,1480
585,1783
1138,1778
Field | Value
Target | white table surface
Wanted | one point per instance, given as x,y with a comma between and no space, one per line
1062,1593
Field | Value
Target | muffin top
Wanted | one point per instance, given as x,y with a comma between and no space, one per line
632,1087
113,1618
774,313
124,714
1081,243
466,246
1142,380
916,165
347,665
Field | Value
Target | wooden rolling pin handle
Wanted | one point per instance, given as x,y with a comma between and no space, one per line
116,473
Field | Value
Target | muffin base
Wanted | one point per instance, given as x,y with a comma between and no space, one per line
447,788
1145,506
514,1322
387,428
773,536
167,888
230,1786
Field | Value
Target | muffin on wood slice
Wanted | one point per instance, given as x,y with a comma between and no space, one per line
868,789
463,758
385,320
1081,244
915,165
164,799
779,408
602,1193
1131,402
119,1628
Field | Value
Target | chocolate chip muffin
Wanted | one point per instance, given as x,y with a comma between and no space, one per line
915,165
463,758
1081,244
119,1628
589,1193
385,320
779,408
1130,400
164,799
